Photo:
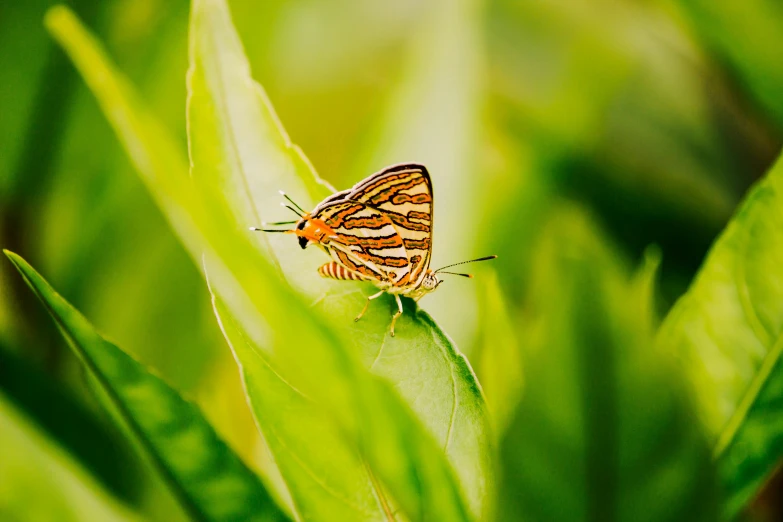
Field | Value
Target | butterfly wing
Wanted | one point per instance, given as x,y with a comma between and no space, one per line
403,193
365,240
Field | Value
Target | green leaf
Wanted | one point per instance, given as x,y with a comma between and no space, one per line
728,332
232,124
208,478
604,431
307,463
40,481
313,359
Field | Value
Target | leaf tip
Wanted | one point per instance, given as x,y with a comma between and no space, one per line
12,256
57,16
19,263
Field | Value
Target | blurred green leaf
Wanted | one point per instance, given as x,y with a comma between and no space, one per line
745,36
603,431
40,481
499,358
56,410
644,287
728,332
85,221
24,66
623,113
208,478
406,459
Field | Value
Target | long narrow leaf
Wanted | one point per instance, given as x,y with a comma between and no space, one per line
728,332
211,482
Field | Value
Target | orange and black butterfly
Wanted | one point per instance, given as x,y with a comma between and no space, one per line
378,231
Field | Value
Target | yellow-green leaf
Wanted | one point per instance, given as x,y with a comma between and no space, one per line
728,332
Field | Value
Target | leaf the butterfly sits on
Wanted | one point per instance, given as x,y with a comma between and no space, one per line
379,231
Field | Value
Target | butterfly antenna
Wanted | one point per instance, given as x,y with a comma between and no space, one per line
277,223
292,209
469,276
487,258
303,211
256,229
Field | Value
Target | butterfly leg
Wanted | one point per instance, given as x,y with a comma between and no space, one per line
367,304
396,315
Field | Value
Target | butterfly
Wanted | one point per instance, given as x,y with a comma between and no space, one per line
380,231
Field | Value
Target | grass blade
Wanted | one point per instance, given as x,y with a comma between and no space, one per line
210,481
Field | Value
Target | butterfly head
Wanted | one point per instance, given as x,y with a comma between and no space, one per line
428,284
311,230
430,281
307,228
300,227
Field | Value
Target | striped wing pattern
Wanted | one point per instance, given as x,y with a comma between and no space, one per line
383,227
364,241
404,194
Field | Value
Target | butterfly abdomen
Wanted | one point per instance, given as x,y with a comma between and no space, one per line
334,270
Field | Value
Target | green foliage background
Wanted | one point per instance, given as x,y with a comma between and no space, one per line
599,149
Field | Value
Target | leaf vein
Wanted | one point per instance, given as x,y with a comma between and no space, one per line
774,351
455,399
